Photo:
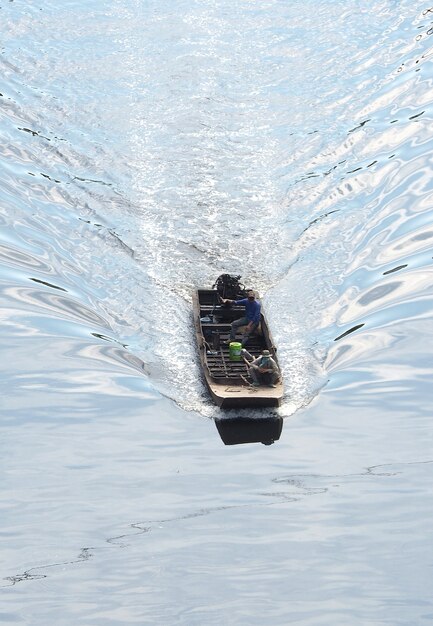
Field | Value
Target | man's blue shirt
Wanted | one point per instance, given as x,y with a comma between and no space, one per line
252,309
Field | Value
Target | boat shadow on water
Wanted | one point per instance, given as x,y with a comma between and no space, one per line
236,430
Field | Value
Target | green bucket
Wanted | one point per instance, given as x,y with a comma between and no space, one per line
235,351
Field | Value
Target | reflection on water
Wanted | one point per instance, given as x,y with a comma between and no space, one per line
314,519
234,431
145,149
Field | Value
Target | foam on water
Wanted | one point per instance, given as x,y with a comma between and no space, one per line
218,174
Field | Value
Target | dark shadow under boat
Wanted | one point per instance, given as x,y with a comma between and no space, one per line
237,430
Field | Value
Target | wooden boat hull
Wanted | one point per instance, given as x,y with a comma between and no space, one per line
228,381
238,396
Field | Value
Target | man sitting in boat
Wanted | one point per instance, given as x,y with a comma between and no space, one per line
251,319
263,370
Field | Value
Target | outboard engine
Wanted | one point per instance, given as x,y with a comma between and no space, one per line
229,287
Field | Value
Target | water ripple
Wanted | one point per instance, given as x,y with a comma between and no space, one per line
294,488
145,149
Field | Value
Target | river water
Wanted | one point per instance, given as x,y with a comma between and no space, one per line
147,147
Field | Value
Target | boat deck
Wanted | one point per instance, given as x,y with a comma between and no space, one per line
216,335
217,353
228,381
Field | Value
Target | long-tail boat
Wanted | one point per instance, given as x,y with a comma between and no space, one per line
228,380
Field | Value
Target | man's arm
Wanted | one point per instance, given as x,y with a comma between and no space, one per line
271,366
228,301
